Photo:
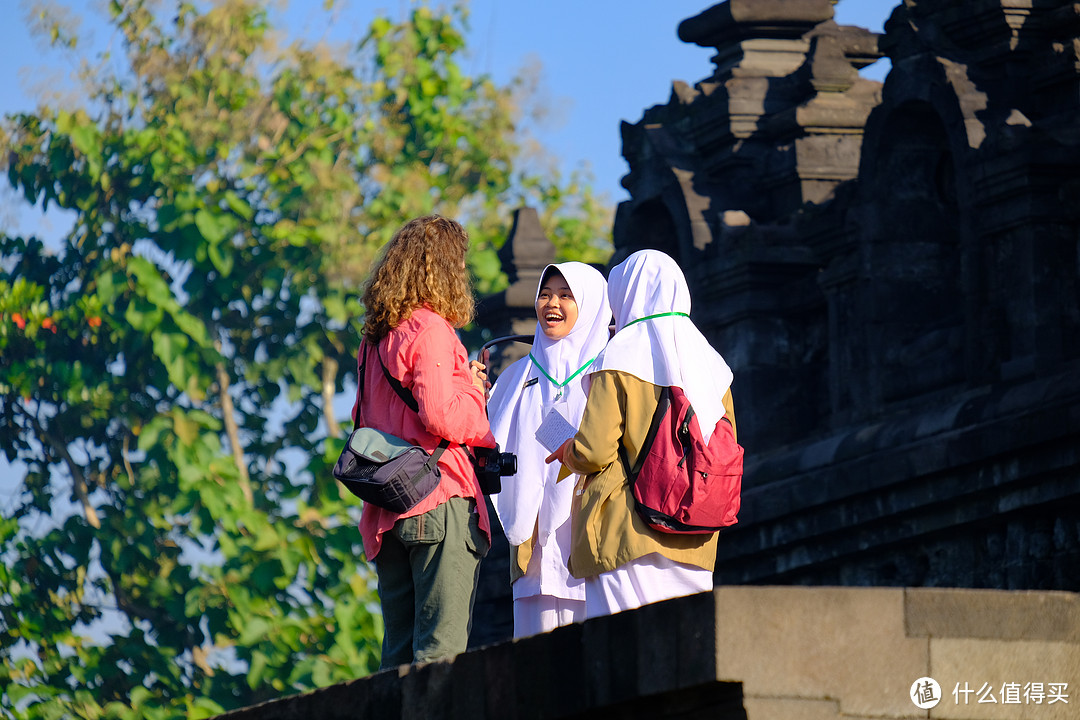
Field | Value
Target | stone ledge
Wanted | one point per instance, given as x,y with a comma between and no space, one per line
797,653
1044,402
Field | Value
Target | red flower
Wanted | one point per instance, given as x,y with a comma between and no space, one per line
19,320
48,324
94,322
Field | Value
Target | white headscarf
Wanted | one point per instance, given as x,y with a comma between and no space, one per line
656,341
515,411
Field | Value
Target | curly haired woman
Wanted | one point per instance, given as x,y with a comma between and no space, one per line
427,558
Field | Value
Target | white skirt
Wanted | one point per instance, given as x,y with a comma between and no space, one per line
648,579
537,614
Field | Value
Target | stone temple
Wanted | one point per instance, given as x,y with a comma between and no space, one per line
893,272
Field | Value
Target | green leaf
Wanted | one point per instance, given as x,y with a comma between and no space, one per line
109,285
222,258
238,205
259,663
169,347
143,316
150,283
193,327
255,629
202,708
213,226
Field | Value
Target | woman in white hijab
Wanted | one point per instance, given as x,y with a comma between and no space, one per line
571,330
627,564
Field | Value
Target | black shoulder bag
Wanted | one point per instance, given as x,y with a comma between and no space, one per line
380,468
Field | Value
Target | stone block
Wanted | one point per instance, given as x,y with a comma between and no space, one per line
499,682
471,687
658,630
757,653
820,644
427,691
992,614
545,662
792,709
674,647
990,679
617,649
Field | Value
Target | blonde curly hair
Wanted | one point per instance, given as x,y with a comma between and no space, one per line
422,265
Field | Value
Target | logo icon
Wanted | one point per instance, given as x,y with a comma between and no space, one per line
925,693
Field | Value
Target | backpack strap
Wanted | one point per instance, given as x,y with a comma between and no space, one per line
661,410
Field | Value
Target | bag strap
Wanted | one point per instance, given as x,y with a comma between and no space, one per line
402,392
661,410
361,376
409,399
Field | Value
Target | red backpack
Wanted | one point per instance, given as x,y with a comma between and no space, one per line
681,484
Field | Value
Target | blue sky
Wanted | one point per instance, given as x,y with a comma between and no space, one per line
602,62
606,61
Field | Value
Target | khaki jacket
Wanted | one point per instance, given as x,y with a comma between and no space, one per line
606,530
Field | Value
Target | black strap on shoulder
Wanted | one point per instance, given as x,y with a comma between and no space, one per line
402,392
360,377
409,399
661,410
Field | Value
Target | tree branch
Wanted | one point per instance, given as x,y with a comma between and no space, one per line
329,384
60,447
233,431
127,462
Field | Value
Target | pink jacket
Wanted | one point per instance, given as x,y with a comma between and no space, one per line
424,353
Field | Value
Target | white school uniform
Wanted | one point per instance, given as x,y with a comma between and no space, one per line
552,377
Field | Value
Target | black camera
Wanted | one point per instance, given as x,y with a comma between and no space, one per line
491,466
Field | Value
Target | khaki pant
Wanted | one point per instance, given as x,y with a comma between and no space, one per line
428,567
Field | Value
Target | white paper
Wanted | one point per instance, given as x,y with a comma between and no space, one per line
554,430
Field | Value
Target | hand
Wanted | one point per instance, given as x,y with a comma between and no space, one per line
480,377
559,454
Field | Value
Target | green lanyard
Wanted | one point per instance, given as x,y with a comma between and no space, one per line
555,382
650,317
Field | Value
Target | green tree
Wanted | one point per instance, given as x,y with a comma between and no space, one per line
177,546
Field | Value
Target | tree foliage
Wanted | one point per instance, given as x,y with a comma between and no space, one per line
177,545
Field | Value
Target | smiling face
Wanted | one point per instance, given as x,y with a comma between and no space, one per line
556,308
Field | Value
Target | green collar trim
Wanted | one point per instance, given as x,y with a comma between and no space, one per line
650,317
555,382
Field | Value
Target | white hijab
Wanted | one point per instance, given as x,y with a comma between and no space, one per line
668,349
517,403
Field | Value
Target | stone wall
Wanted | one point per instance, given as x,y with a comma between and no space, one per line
893,272
762,653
